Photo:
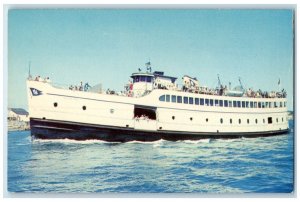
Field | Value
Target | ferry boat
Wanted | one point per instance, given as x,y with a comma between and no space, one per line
152,107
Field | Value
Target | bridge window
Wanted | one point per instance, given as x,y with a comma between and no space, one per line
275,104
243,104
230,103
230,121
238,103
201,101
179,99
251,105
149,79
191,100
247,104
185,100
162,98
196,101
168,98
211,102
240,121
221,120
255,104
284,104
263,104
280,104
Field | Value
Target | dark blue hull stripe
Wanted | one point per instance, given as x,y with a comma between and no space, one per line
53,129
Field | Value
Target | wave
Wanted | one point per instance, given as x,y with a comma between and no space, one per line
71,141
196,141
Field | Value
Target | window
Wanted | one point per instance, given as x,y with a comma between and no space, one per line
143,78
84,107
267,105
185,100
173,98
225,103
263,105
256,121
282,119
149,79
234,104
173,117
55,104
251,105
230,121
240,121
280,104
216,102
248,121
270,105
259,104
238,103
243,104
191,118
168,98
201,101
247,104
277,120
196,101
263,120
221,120
255,104
221,103
230,103
211,102
275,104
191,100
179,99
284,104
206,102
206,119
269,120
162,98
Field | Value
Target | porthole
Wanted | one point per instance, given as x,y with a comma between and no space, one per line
230,121
191,118
282,119
277,120
248,121
240,121
173,117
206,120
263,120
84,107
221,120
55,104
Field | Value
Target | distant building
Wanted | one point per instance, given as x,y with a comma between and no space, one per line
18,114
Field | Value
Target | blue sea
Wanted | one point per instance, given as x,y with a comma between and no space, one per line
245,165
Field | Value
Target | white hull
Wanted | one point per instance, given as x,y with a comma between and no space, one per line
119,111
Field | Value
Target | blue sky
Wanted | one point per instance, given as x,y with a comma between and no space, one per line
107,45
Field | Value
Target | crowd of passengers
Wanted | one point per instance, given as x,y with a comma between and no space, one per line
249,93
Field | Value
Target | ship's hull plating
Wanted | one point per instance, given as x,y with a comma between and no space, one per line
52,129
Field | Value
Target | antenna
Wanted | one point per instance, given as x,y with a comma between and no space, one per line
29,74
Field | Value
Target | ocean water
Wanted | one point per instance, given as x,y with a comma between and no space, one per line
245,165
